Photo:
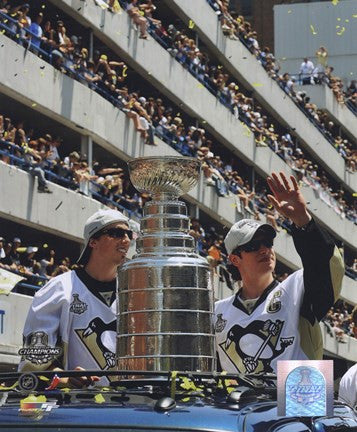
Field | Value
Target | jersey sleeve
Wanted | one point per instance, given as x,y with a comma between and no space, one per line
323,269
44,329
348,387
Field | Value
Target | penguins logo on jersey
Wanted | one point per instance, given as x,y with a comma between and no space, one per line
275,303
251,349
94,337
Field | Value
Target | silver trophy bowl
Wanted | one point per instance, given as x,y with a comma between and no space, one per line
164,177
165,302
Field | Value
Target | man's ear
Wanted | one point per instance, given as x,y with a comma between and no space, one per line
92,242
234,259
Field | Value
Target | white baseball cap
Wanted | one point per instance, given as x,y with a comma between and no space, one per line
96,223
243,231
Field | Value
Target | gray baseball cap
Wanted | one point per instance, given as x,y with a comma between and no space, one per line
96,223
243,231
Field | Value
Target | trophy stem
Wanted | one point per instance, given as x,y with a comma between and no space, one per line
164,196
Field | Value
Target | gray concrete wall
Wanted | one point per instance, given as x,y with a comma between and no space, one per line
165,72
323,97
294,38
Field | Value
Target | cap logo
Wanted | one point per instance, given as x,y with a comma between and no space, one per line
249,223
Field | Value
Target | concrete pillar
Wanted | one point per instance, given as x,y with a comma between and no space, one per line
87,149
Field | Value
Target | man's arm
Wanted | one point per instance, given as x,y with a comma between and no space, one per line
42,329
323,267
322,261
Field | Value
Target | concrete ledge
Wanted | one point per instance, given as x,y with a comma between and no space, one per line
238,60
62,213
349,290
346,350
322,96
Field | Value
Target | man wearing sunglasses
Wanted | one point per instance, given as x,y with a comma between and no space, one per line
267,321
71,323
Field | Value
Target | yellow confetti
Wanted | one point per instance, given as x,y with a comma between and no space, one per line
124,74
354,16
347,20
43,6
34,104
42,74
204,121
2,31
191,24
149,73
25,71
220,67
289,11
256,84
339,33
335,2
313,31
236,87
233,205
338,27
200,86
338,19
262,141
99,398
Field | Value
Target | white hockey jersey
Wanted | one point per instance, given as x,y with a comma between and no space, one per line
70,324
284,322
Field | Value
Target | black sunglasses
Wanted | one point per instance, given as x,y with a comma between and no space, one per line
254,245
118,233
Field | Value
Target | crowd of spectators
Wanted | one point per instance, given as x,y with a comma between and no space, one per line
322,73
219,82
150,116
36,263
110,185
236,27
153,116
340,321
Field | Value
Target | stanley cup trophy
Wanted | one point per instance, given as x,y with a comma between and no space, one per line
165,302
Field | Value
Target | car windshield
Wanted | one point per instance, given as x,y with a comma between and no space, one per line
102,429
